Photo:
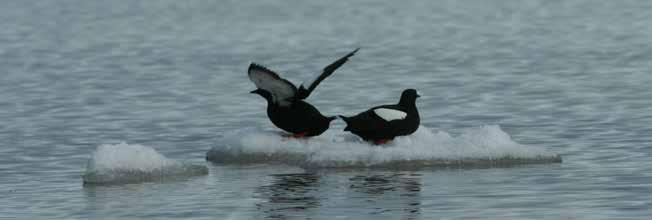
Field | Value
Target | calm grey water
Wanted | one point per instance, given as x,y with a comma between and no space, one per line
572,77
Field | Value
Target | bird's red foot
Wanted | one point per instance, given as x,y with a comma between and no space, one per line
295,135
381,141
300,135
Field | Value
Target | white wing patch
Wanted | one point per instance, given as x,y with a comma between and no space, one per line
281,89
390,114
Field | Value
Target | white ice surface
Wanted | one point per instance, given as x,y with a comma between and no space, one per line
121,163
482,145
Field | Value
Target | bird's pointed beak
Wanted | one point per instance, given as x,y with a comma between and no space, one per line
254,91
418,94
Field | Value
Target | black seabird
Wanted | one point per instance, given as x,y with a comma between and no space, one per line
381,124
286,107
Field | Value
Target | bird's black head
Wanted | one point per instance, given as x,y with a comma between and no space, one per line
264,93
409,96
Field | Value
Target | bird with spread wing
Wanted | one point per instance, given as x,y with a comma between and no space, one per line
286,105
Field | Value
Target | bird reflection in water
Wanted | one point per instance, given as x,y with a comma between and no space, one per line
390,194
289,195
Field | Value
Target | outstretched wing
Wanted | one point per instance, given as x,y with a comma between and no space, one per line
303,93
283,91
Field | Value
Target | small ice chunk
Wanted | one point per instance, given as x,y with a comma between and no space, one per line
126,163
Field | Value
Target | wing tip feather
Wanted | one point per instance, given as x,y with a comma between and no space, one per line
254,66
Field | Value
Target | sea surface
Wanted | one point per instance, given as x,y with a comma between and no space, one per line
168,77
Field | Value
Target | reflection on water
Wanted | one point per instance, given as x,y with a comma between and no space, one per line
393,194
289,195
116,200
377,194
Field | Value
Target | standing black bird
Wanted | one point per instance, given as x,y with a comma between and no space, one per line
381,124
285,105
